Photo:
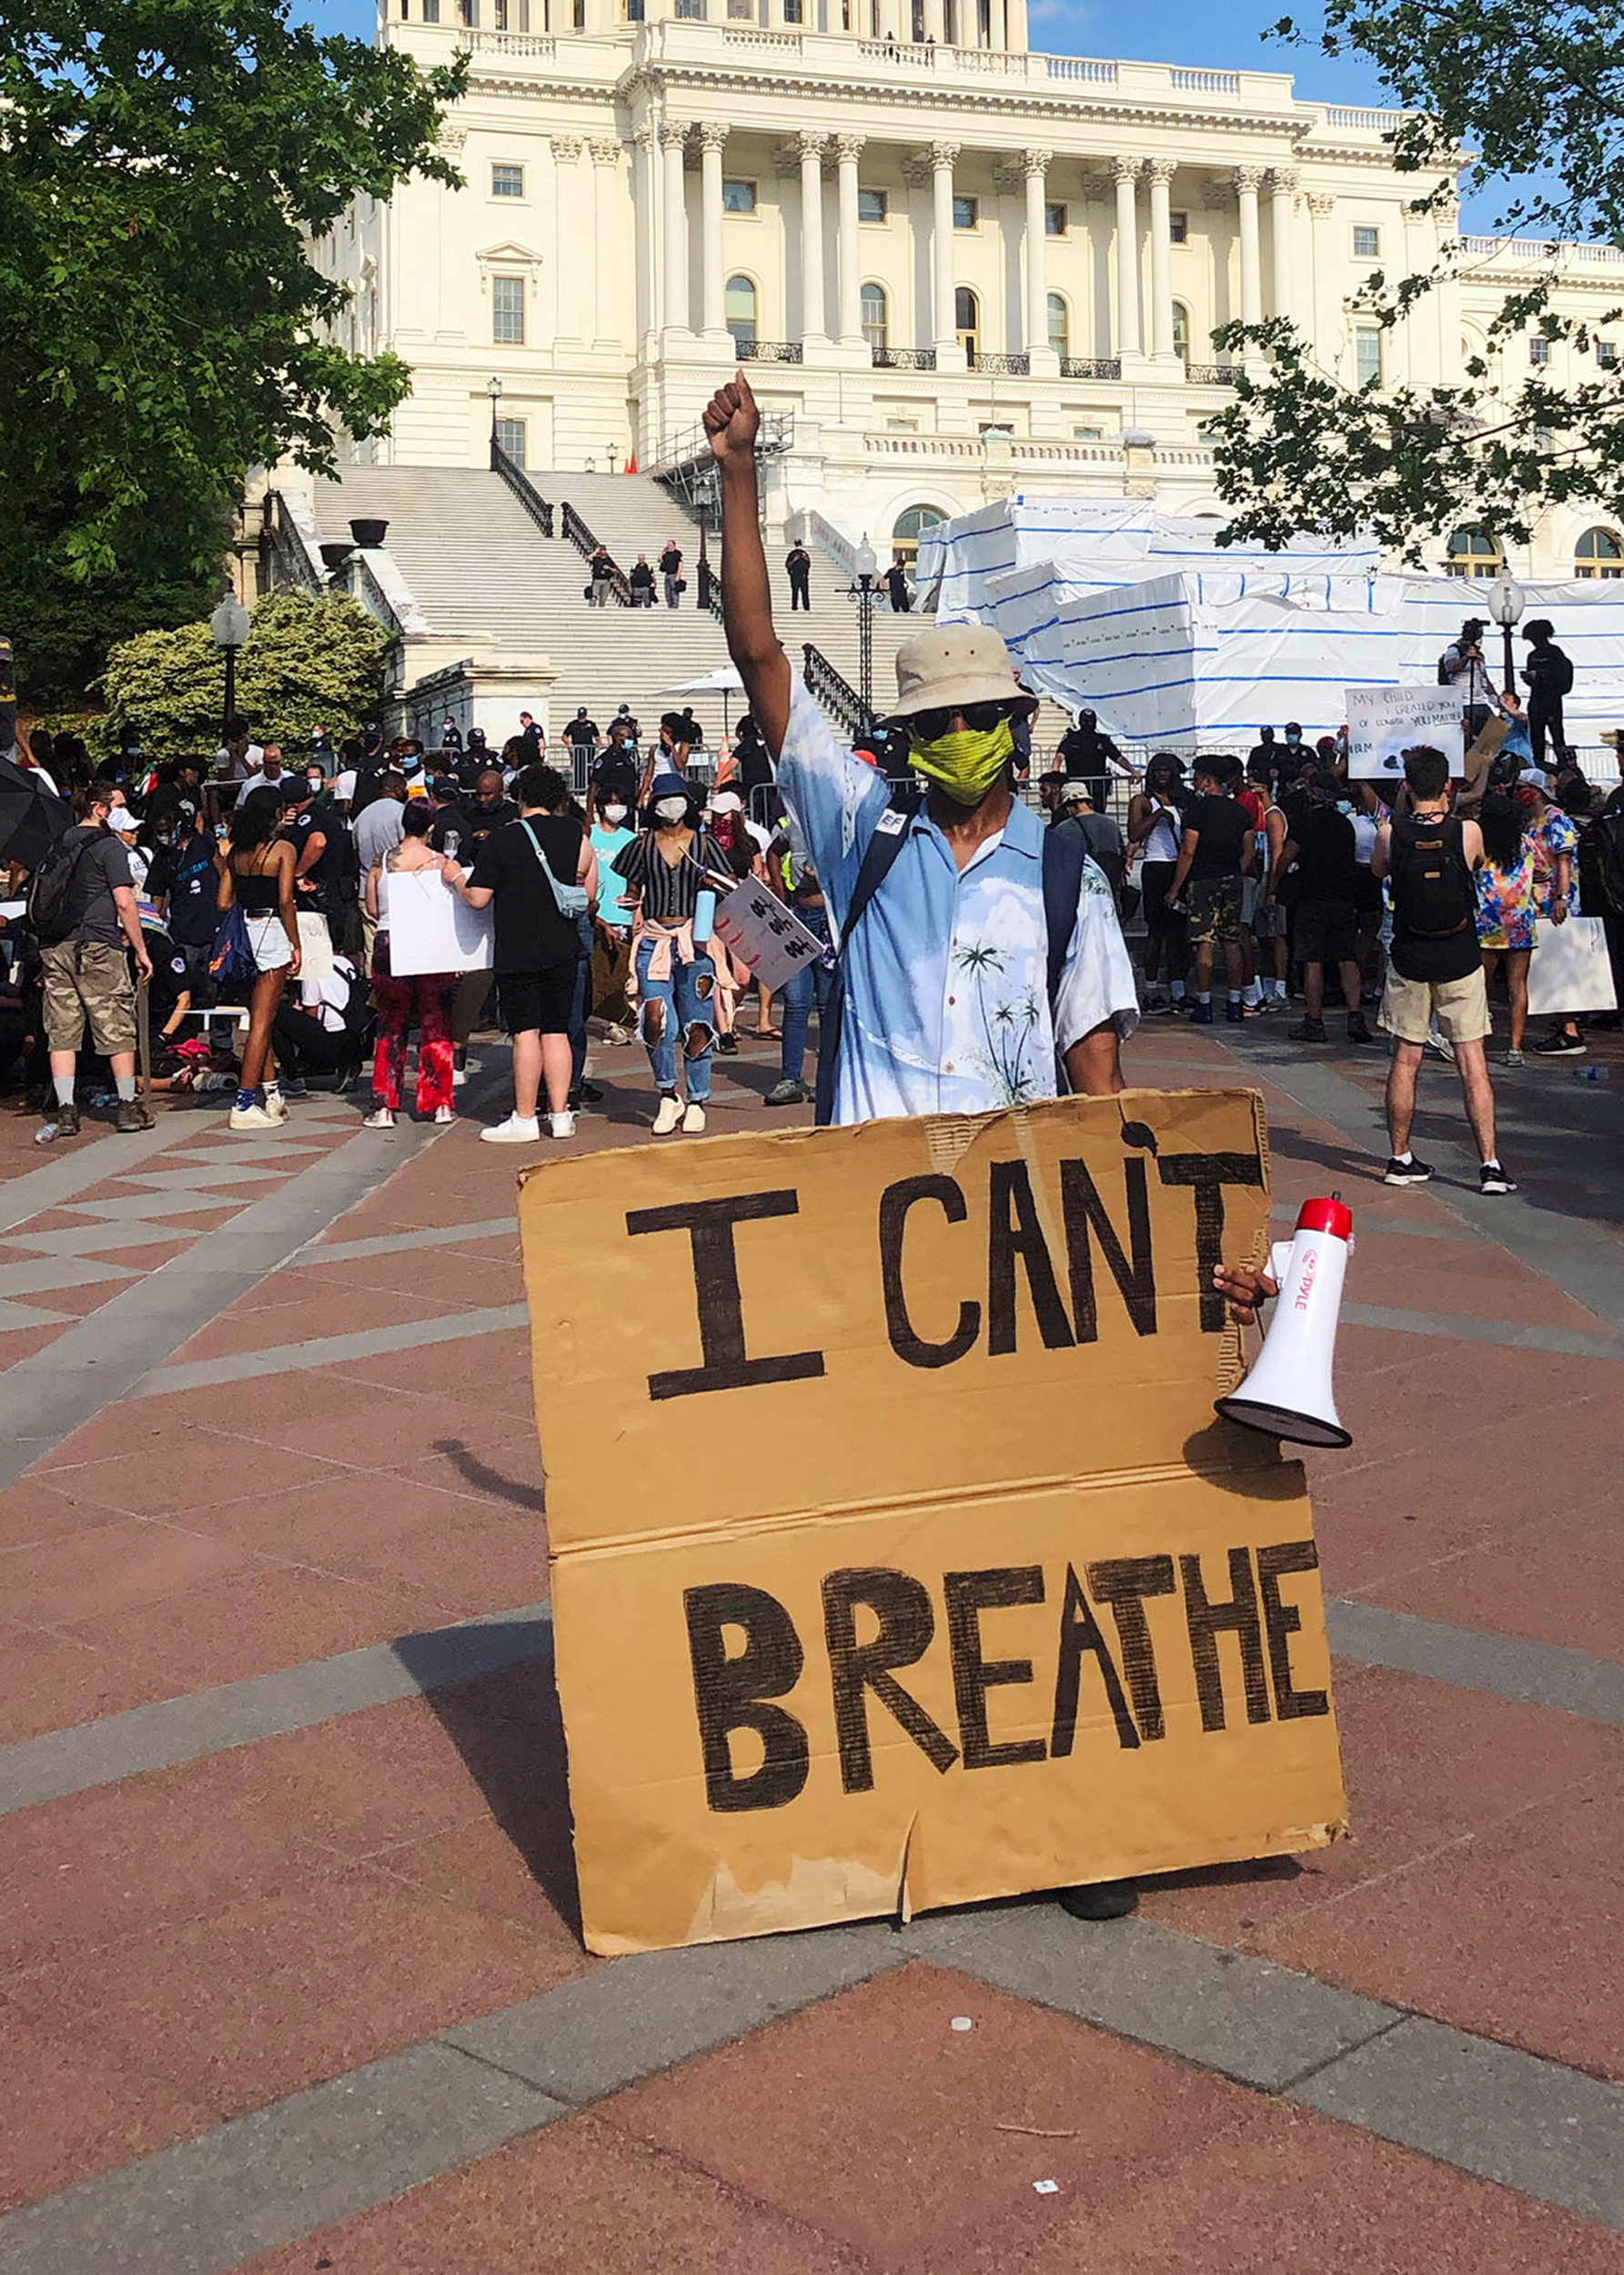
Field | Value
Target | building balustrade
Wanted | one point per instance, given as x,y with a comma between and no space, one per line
1002,366
904,358
768,350
1212,374
1091,367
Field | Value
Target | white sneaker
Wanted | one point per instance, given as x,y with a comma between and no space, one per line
459,1077
693,1121
249,1118
381,1118
668,1117
560,1125
276,1107
1440,1042
514,1131
444,1113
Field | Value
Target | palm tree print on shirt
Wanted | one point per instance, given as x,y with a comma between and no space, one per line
1008,1023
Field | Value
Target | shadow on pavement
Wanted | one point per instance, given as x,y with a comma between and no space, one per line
507,1727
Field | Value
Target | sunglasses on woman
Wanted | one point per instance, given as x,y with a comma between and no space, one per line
925,726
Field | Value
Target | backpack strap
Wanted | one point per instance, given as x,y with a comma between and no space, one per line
1065,853
891,833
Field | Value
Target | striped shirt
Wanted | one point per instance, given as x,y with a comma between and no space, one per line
670,891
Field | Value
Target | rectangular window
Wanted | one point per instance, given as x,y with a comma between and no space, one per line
578,14
692,11
509,440
742,11
738,196
993,426
967,211
1538,349
1367,354
872,204
507,181
902,425
507,311
793,12
432,11
1606,354
1367,241
1088,434
1053,220
467,12
1178,228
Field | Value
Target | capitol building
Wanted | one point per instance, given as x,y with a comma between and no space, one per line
959,270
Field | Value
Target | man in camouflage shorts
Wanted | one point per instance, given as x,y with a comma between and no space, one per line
87,974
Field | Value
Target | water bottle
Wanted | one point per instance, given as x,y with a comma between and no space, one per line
453,839
1592,1074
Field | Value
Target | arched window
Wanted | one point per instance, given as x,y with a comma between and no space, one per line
741,310
1598,553
966,318
876,322
1474,553
1181,331
1060,326
909,528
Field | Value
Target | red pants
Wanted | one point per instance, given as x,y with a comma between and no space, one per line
426,997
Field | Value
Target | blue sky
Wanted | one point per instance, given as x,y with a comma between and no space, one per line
1163,31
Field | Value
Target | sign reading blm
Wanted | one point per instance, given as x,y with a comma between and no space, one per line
898,1557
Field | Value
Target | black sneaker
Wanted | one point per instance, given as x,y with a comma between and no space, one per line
61,1121
1233,1014
1358,1028
1492,1179
132,1116
789,1092
588,1095
1415,1171
1306,1030
1100,1899
1559,1046
727,1045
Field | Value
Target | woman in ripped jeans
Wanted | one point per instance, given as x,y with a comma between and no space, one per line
675,870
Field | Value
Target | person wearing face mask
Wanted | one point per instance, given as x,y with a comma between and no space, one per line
676,871
609,834
971,961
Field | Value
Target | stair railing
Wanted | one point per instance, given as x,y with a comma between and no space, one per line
519,484
835,691
586,545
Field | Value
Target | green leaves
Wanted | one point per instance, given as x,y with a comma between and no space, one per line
168,166
1537,96
308,663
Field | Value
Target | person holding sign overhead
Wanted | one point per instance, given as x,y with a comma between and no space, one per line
971,959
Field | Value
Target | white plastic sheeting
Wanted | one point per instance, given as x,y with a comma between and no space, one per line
1214,654
1013,553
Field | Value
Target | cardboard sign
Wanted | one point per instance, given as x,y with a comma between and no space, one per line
1384,721
431,930
315,948
1570,969
765,935
898,1556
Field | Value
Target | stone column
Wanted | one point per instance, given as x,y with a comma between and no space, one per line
569,260
935,22
1246,180
606,160
1014,16
676,311
1282,186
949,354
1125,173
810,146
1034,165
1160,172
712,275
848,150
645,164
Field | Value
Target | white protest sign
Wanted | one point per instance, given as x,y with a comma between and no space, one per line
761,931
1384,721
430,929
315,947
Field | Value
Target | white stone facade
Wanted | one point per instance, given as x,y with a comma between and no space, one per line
965,268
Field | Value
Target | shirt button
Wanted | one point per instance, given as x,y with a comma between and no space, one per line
951,1001
948,1068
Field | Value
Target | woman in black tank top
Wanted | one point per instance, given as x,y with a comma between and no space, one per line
257,878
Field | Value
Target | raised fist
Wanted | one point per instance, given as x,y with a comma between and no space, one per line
732,420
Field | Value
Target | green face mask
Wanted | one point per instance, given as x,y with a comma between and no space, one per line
965,764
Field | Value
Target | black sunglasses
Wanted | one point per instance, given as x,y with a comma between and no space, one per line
924,726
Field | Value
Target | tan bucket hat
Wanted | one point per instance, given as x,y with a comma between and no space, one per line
947,666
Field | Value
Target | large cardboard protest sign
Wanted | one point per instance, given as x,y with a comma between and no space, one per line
431,930
1383,722
898,1557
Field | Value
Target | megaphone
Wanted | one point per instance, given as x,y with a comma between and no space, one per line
1288,1392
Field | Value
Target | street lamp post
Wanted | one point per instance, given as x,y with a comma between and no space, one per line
863,592
1506,604
228,628
493,387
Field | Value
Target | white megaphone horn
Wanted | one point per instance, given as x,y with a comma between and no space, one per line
1288,1392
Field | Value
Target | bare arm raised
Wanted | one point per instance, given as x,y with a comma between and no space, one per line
733,422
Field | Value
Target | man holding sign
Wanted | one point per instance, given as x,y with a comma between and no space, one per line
970,959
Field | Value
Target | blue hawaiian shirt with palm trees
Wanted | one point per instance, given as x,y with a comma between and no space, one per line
947,1005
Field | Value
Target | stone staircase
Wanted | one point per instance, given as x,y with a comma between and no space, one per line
481,570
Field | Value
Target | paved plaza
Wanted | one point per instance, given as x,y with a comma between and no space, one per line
291,1975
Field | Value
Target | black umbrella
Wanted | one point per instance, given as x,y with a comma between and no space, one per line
31,819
